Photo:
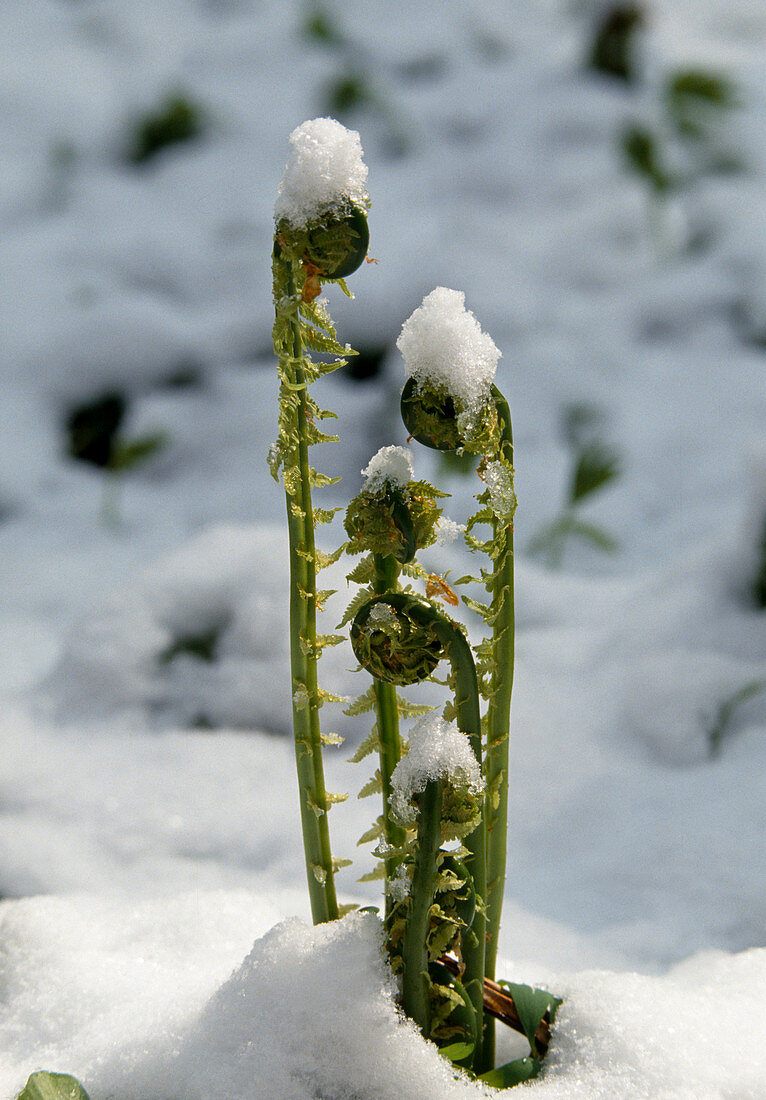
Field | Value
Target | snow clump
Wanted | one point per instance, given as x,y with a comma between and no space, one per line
390,467
444,347
502,496
438,750
312,1012
447,530
325,170
382,616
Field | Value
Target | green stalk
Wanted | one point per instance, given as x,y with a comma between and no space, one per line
303,661
415,987
498,721
385,580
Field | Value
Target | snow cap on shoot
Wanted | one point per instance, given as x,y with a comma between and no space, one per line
393,514
449,361
325,173
390,467
438,750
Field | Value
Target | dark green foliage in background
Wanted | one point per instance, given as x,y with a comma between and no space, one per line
613,50
177,119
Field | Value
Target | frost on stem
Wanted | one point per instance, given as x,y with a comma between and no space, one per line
498,477
451,363
438,750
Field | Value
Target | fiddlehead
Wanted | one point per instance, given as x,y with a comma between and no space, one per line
332,245
450,402
400,638
437,789
390,519
323,179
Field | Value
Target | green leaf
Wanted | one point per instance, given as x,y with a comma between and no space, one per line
202,645
131,453
456,1052
700,86
175,120
512,1073
52,1086
588,531
724,715
641,153
532,1006
595,466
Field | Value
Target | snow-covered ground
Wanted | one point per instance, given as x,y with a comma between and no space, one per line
148,819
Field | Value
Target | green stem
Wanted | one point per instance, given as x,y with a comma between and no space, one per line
385,580
415,988
303,660
498,721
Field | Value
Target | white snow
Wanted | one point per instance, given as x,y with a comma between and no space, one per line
142,853
447,530
381,616
443,346
390,466
324,171
437,750
153,999
502,496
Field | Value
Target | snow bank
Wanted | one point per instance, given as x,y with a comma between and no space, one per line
692,1033
311,1013
134,1000
198,637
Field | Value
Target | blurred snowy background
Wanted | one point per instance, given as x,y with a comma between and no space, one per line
609,231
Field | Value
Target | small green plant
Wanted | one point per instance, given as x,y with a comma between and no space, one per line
594,466
321,236
52,1086
642,155
719,727
176,120
613,52
318,26
441,835
682,146
696,100
93,436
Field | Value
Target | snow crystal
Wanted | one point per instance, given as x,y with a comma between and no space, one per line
443,345
382,615
438,750
502,496
324,170
389,467
447,530
400,884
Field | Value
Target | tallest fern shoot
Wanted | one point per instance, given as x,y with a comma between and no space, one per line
321,235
